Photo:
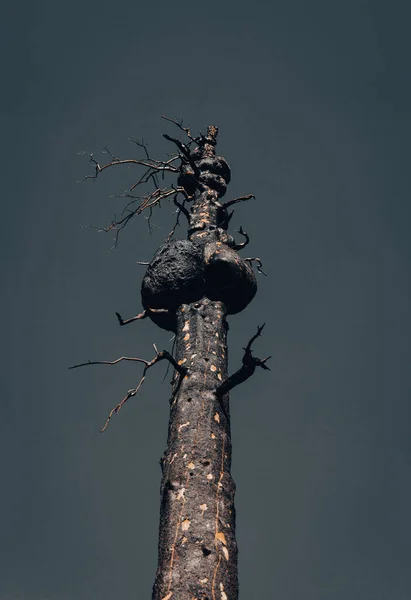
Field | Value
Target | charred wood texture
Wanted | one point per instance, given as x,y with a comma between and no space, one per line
190,287
197,545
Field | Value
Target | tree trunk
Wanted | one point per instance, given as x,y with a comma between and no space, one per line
190,287
197,545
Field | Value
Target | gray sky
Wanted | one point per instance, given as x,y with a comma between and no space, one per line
313,104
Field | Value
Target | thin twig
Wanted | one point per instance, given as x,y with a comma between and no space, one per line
242,244
142,315
180,126
164,354
258,263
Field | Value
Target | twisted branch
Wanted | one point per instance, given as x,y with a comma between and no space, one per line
246,241
258,262
247,369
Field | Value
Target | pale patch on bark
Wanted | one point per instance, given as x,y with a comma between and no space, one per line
223,594
185,524
203,507
220,536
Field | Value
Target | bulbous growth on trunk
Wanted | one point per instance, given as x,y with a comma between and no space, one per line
210,171
229,278
175,276
183,272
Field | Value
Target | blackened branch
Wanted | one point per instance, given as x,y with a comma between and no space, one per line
258,263
185,150
163,355
236,200
246,241
182,208
249,365
180,126
226,221
142,315
182,191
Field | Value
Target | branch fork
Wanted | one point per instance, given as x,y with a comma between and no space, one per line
163,355
250,363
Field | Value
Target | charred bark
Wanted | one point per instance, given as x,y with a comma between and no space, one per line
197,545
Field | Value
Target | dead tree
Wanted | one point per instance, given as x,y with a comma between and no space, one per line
189,288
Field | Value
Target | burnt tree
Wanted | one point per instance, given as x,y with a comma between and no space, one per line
190,287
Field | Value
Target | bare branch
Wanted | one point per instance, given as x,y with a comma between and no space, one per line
259,264
182,208
176,224
236,200
248,367
141,144
185,150
242,244
181,190
247,349
180,126
110,363
107,151
148,202
142,315
147,364
159,166
226,221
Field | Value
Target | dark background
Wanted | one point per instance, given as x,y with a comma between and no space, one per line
313,104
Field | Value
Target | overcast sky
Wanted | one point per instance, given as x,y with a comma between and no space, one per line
313,104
